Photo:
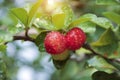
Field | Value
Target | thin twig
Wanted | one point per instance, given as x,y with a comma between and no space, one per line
26,32
23,38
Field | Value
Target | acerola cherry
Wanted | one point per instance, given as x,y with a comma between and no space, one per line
55,43
75,38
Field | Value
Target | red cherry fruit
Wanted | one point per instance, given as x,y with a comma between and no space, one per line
75,38
55,43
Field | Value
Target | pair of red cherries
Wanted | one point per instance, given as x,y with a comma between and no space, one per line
56,42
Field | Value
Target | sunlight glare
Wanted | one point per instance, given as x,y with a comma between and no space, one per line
50,2
51,5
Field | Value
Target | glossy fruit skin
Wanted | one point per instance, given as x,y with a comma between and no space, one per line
55,43
75,38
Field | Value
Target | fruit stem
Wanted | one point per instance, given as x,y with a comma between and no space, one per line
26,32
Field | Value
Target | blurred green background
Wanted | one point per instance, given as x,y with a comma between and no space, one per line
25,62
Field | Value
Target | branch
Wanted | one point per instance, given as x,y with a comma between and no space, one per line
23,38
111,61
88,47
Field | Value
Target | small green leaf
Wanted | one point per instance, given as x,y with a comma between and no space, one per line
88,27
21,14
13,18
33,11
89,15
107,50
102,22
101,64
113,16
59,20
106,2
40,41
44,22
84,74
69,14
108,37
96,35
14,30
78,22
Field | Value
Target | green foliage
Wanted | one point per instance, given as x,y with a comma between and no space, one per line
113,16
40,41
59,23
3,48
69,14
21,14
100,21
78,21
44,22
5,36
88,27
59,20
101,64
106,2
74,71
108,37
2,70
25,17
103,35
101,75
108,50
33,12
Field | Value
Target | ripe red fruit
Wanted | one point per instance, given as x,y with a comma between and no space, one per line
75,38
55,43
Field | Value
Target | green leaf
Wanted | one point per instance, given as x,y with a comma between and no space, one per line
78,22
89,15
21,14
59,20
117,32
87,27
101,75
106,2
101,64
116,52
44,22
85,74
3,48
107,50
113,16
5,36
33,12
92,37
13,18
69,14
15,30
39,41
108,37
102,22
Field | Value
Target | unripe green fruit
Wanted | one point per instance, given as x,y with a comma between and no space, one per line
62,56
